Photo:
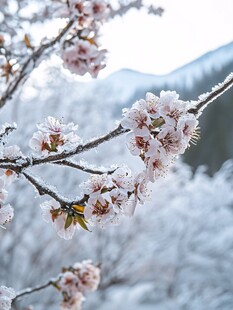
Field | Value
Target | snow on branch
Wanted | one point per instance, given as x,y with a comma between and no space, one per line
207,98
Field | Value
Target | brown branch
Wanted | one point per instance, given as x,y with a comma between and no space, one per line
30,64
45,189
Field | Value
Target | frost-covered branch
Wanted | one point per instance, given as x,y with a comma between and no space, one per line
46,189
28,291
32,61
72,164
207,98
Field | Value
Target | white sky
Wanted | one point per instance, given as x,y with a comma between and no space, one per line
151,44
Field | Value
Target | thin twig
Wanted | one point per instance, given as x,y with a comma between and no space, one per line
75,165
213,95
37,288
7,129
81,148
30,64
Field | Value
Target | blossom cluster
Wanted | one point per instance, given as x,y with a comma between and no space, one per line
53,136
112,196
6,296
81,52
161,128
109,197
74,282
7,176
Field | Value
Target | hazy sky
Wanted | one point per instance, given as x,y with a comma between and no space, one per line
151,44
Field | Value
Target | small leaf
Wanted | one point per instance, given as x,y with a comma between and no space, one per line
81,222
27,41
69,221
158,122
104,190
78,208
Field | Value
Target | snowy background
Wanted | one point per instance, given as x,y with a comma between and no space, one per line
177,251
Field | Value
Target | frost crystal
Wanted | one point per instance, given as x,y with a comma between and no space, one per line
6,296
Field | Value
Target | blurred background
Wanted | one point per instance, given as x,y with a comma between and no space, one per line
177,251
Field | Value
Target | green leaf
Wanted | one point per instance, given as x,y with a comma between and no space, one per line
69,221
81,222
158,122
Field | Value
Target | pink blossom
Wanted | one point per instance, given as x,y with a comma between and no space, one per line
95,185
100,211
73,303
98,9
82,57
138,121
170,140
187,126
69,283
53,136
170,108
88,276
137,145
54,125
157,166
141,187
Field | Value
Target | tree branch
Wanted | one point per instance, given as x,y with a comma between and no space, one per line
45,189
37,288
21,163
30,64
75,165
207,98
